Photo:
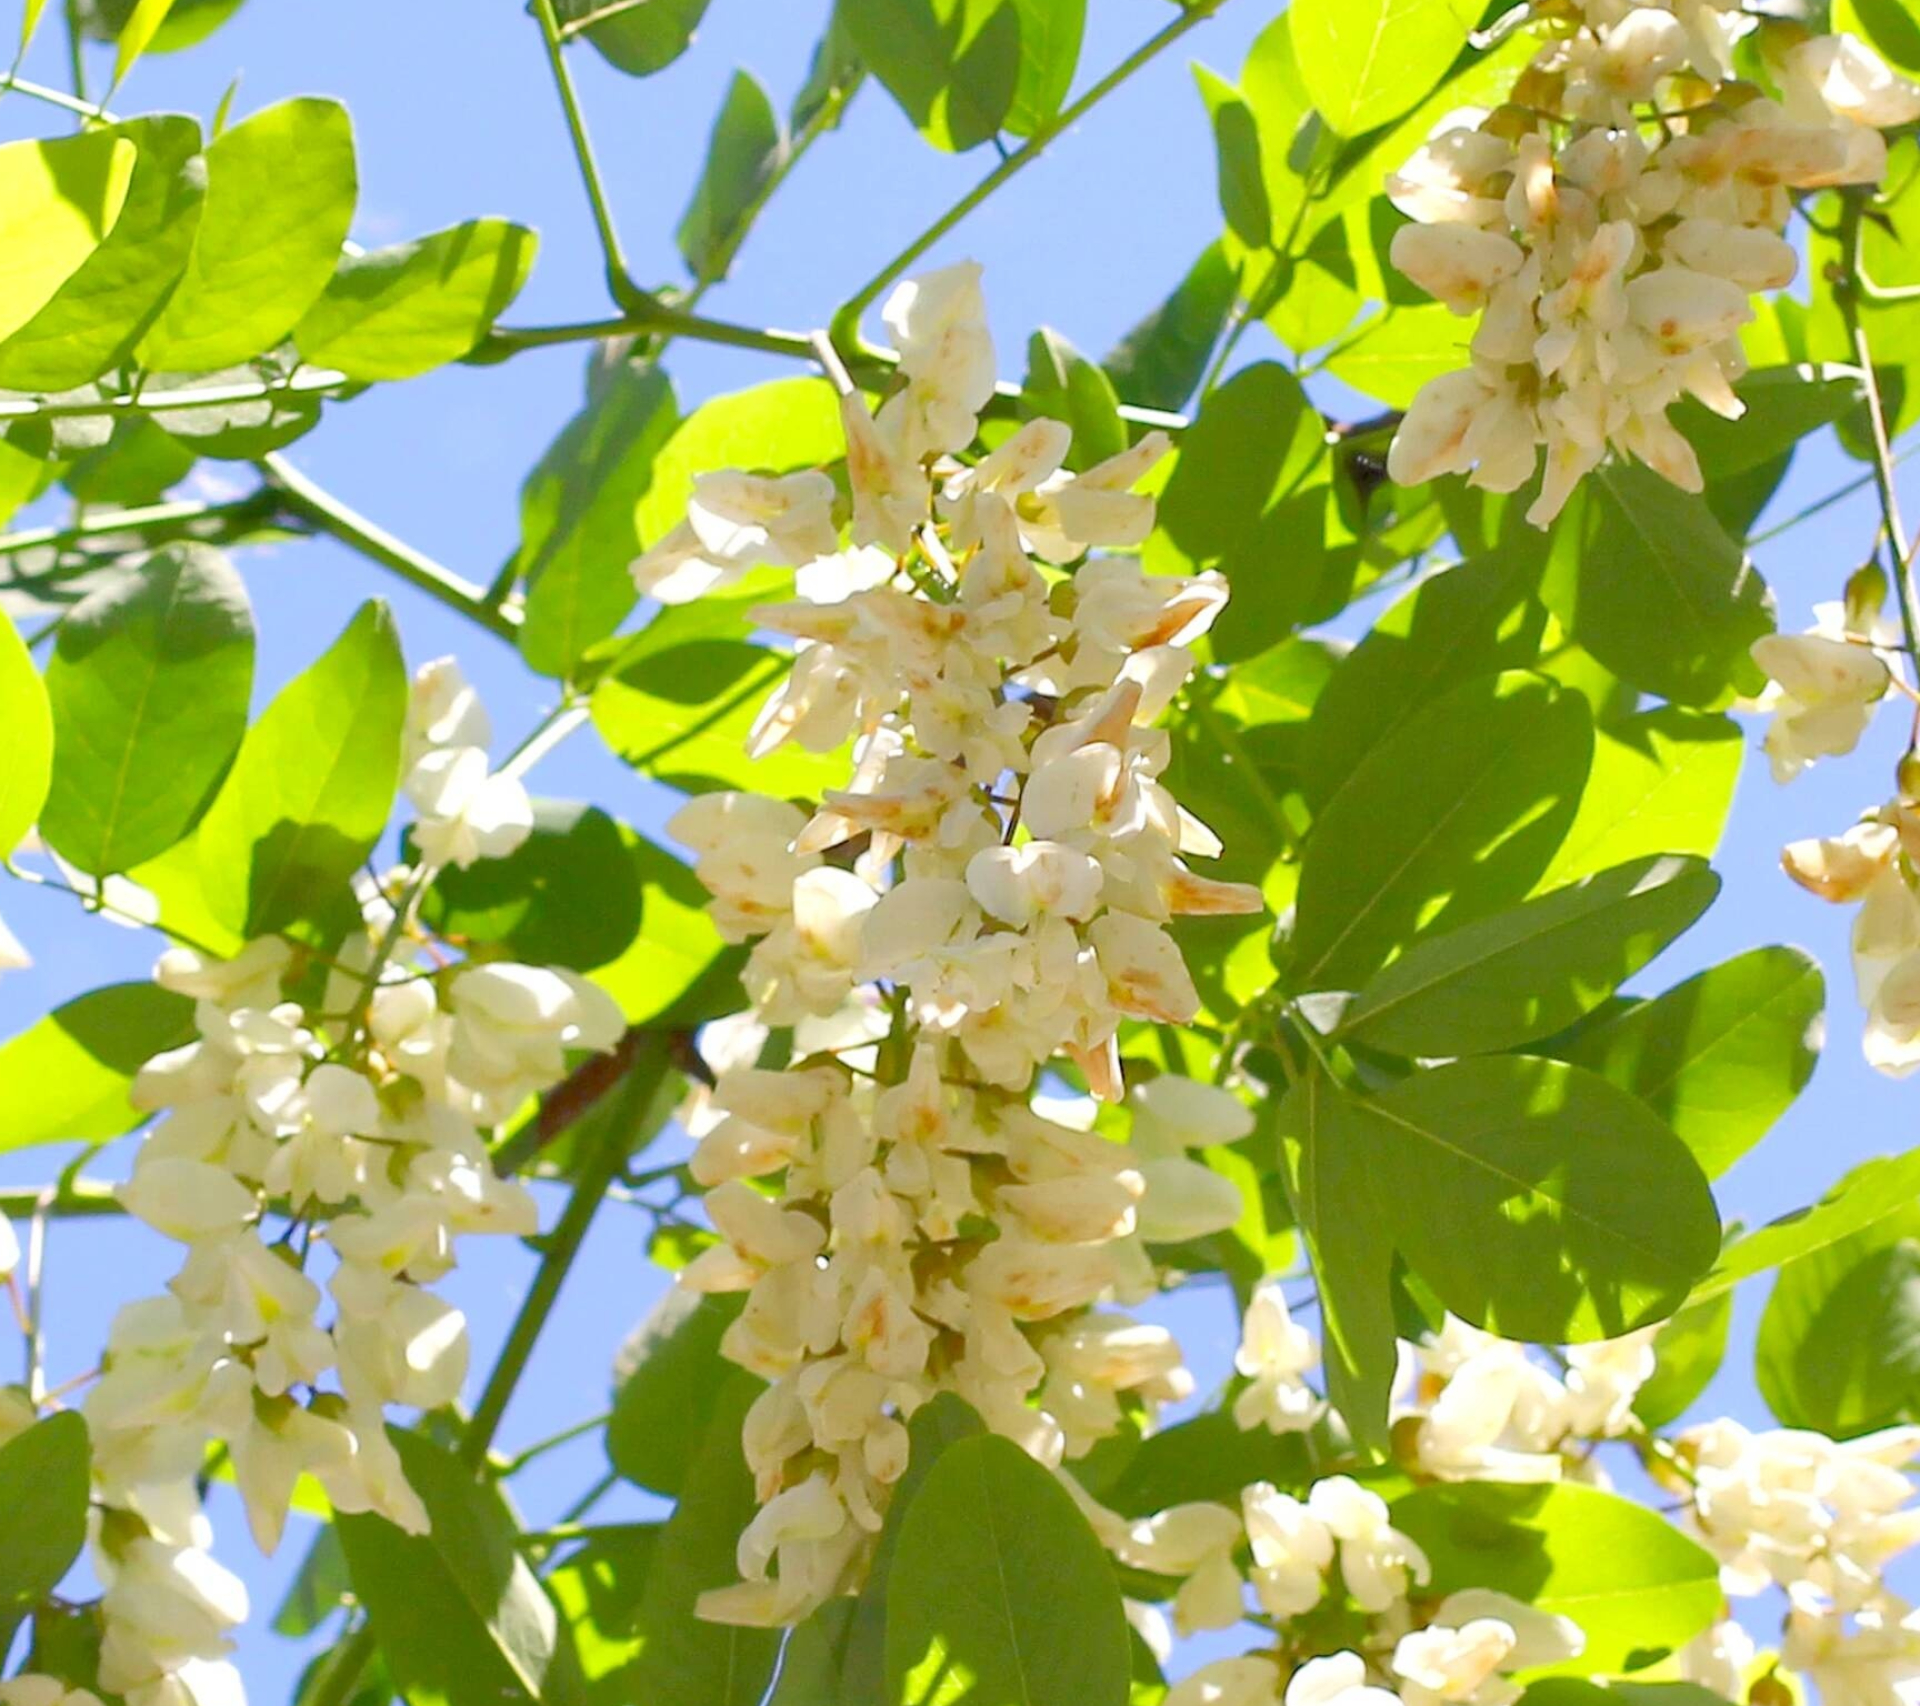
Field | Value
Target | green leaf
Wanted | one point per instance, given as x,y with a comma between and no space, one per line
1533,969
854,1658
1368,61
44,1480
1721,1056
1688,1351
1161,362
1662,782
1645,579
1471,620
1396,352
138,465
1050,37
142,24
58,200
1238,174
396,312
599,1591
1637,1586
578,515
239,431
93,319
280,195
668,1377
1000,1591
25,715
743,152
676,970
1209,1458
68,1073
774,428
1063,385
1784,405
1861,1199
1294,139
681,715
1838,1347
1452,817
638,37
460,1617
953,65
1536,1199
685,1661
1888,24
149,683
318,1590
569,895
1337,1201
310,792
1249,483
29,22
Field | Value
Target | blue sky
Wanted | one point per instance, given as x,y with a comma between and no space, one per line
455,117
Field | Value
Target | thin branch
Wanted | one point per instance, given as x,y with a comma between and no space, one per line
154,523
333,517
56,98
80,1200
306,383
1847,293
846,324
619,280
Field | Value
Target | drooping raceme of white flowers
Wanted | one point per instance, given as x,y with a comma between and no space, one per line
1609,226
1785,1510
988,894
354,1128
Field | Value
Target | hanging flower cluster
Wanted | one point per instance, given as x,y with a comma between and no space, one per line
1795,1510
989,894
1609,226
353,1126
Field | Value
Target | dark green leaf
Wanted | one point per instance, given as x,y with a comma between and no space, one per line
1162,360
667,1379
1637,1586
461,1619
1470,621
1889,24
310,792
743,152
953,65
1246,497
998,1579
280,196
569,895
1533,969
1238,176
93,319
319,1589
1645,579
1838,1348
1210,1459
237,431
44,1479
67,1074
1452,817
1050,35
1064,386
577,515
138,465
685,1661
396,312
1784,405
638,37
1688,1350
1721,1056
149,683
675,970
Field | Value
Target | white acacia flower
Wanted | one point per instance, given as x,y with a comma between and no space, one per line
467,811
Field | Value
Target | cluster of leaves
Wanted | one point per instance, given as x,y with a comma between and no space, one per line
1478,823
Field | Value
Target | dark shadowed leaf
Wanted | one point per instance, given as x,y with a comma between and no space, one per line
66,1075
